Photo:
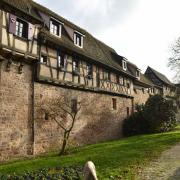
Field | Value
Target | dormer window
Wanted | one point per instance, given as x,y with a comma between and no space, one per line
124,65
78,39
55,27
137,73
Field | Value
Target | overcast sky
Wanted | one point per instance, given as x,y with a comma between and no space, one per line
140,30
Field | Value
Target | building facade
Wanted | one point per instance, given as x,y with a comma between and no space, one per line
44,56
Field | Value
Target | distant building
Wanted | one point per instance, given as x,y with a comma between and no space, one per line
161,82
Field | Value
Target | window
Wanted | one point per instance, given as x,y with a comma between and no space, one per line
114,103
74,105
128,112
78,39
137,73
89,70
21,28
124,65
62,61
128,85
143,90
107,75
75,65
121,80
55,28
152,90
43,59
135,90
117,79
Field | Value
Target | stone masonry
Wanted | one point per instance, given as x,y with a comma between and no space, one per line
96,122
15,111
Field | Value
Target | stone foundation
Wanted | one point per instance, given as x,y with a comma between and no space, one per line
96,122
20,136
15,111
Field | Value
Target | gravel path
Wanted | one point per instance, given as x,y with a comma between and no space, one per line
167,167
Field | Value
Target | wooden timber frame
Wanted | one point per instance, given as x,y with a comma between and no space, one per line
50,73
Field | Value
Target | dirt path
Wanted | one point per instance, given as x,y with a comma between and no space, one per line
167,167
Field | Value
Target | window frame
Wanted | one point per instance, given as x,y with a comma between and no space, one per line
138,73
121,79
124,65
61,61
81,38
106,72
55,23
89,70
24,28
75,67
42,62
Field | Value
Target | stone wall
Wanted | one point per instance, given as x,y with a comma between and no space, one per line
140,96
15,111
96,122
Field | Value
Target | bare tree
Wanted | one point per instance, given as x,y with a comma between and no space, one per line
64,111
174,61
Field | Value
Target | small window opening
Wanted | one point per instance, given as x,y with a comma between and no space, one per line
61,61
89,70
43,59
107,75
128,112
75,65
74,105
114,103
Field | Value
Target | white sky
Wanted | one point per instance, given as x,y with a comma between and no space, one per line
140,30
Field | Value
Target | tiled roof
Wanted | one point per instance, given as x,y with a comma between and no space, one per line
145,80
23,5
162,77
92,48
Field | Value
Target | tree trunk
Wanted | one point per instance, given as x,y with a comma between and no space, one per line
66,136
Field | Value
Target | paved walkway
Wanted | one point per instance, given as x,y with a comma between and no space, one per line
167,167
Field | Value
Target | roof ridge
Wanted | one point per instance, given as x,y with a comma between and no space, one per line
163,78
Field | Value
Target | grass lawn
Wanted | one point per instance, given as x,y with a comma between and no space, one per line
113,160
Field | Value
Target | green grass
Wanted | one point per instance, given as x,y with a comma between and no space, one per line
115,159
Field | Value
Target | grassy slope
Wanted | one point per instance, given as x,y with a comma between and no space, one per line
121,158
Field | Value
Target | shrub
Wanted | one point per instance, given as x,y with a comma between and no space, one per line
63,173
160,114
157,115
133,124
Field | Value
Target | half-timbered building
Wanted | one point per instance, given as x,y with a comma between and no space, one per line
44,56
161,82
